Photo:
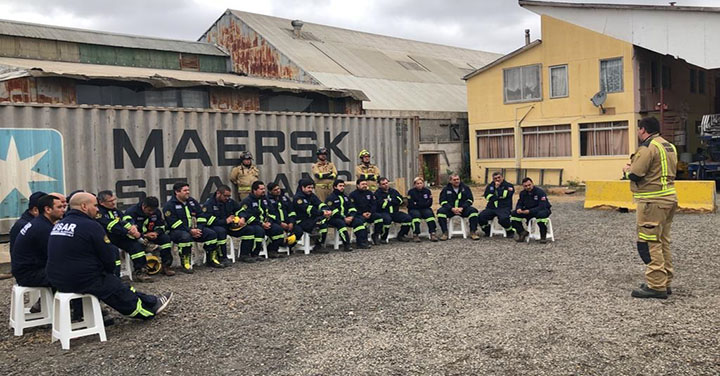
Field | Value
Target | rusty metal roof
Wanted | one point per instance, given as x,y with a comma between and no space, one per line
395,73
11,68
30,30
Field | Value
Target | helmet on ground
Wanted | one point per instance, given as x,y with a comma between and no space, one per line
291,240
246,155
153,264
321,151
363,153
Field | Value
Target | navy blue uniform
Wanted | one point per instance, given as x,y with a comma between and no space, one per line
216,213
282,210
180,216
499,204
450,199
29,255
256,211
81,260
309,214
116,225
537,202
24,219
388,203
153,223
365,202
420,209
341,208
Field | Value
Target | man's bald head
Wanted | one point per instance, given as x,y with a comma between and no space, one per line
84,202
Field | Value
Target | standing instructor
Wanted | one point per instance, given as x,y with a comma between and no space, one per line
652,181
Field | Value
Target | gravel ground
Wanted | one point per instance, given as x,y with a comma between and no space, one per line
453,308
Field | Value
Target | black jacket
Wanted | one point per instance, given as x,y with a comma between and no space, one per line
420,199
255,210
388,202
79,253
534,201
282,208
145,223
216,212
500,197
340,204
114,221
462,199
178,215
24,219
307,206
364,201
30,251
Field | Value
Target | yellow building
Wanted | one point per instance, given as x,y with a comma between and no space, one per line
530,111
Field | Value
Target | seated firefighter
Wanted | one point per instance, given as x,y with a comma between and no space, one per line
311,213
148,218
457,199
81,260
187,225
282,213
366,208
122,233
254,223
219,211
499,196
533,203
388,204
420,209
343,217
29,254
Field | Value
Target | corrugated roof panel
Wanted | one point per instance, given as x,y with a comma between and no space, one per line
28,30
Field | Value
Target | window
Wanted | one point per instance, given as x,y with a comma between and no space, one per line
547,141
610,138
701,82
495,143
611,75
692,80
666,77
558,81
522,84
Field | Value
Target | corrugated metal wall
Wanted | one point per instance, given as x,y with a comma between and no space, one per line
144,151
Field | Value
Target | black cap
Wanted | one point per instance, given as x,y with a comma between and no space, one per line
34,199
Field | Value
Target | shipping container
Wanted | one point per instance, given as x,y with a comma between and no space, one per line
139,151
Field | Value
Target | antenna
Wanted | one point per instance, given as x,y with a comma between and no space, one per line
598,99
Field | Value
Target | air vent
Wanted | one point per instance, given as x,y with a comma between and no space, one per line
410,65
304,35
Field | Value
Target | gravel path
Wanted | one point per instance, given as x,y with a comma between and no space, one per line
453,308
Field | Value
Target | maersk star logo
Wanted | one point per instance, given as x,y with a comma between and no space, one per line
30,160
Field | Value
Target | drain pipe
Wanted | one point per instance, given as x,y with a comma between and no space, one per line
518,138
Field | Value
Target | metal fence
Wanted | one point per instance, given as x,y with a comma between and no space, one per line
144,151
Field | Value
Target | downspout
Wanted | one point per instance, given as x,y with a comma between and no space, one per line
518,137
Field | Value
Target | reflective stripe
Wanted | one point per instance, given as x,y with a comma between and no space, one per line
127,218
292,214
201,220
140,310
443,203
359,228
516,219
309,209
276,237
251,219
244,189
322,231
473,215
210,242
247,237
184,245
430,219
211,220
127,226
457,201
222,242
137,255
379,220
505,194
118,263
663,163
416,220
176,224
441,215
165,246
542,220
280,211
666,192
647,237
187,214
488,197
112,224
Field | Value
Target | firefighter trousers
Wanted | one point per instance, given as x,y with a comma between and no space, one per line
653,227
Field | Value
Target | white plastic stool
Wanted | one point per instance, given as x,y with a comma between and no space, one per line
193,260
424,229
451,227
231,248
496,229
62,327
20,316
393,231
304,243
534,230
126,267
264,251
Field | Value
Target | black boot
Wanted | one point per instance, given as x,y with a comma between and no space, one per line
645,292
347,247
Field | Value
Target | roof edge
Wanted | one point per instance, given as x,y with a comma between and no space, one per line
502,59
560,4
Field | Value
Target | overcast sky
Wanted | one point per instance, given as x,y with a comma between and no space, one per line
489,25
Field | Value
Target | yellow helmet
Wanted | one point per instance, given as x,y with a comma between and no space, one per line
291,240
153,264
235,225
363,153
